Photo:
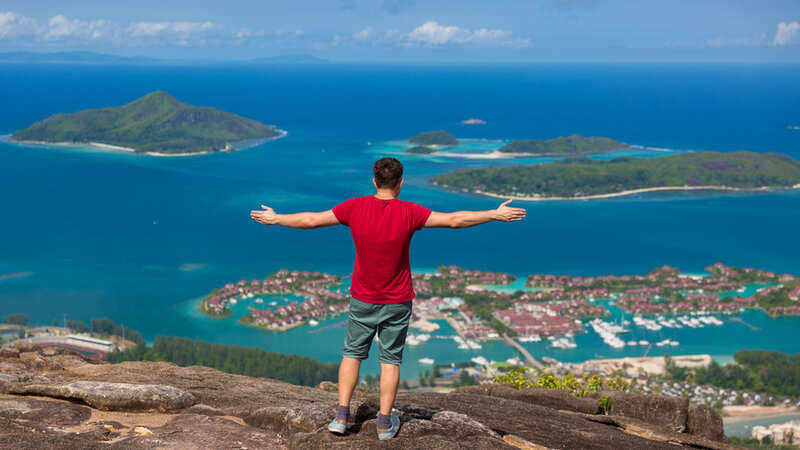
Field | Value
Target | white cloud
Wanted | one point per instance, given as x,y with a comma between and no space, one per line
787,32
431,34
721,41
58,29
13,25
62,28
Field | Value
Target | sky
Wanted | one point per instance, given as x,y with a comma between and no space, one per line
431,31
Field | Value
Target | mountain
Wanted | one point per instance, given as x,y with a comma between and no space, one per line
582,177
291,59
569,145
57,398
72,57
155,123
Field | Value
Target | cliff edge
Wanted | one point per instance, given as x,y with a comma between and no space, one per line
57,398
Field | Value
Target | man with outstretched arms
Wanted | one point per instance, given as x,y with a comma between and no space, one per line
382,226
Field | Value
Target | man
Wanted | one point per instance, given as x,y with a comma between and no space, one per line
381,290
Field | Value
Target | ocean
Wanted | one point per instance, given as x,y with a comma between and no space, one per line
140,239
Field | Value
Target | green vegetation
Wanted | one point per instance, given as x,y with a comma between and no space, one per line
525,377
581,176
252,362
756,444
106,327
157,122
768,372
420,150
465,379
604,404
16,319
438,137
570,145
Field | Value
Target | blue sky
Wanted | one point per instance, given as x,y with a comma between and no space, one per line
413,31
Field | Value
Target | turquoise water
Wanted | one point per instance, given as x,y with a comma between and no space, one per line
744,429
139,239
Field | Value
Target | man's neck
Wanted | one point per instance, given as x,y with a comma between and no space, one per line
385,194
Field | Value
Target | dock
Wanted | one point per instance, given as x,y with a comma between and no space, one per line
738,319
528,357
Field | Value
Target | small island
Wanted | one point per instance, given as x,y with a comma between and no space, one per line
157,124
569,145
438,138
473,121
420,150
581,178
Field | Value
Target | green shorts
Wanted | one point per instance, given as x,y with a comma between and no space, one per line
390,322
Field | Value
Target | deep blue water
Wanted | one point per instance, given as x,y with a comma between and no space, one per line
106,234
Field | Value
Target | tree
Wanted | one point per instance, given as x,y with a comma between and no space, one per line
16,319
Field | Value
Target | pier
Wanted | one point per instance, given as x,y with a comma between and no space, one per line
738,319
528,357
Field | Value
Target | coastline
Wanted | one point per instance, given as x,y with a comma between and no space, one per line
736,414
100,145
496,154
624,193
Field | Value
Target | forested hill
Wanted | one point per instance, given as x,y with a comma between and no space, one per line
581,176
157,122
438,137
569,145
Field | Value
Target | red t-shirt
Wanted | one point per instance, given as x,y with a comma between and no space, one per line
382,231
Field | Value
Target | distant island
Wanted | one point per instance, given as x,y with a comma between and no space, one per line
472,121
437,138
579,178
569,145
156,124
420,150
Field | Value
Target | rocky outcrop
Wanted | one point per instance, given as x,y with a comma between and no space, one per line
54,398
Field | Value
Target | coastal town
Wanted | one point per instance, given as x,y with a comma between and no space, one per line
552,307
320,301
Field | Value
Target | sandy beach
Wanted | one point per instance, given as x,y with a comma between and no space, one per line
652,365
624,193
75,145
746,413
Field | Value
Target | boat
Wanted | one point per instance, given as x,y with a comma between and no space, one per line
259,301
426,361
313,322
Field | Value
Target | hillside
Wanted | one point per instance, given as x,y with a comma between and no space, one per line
570,145
438,137
57,398
155,123
582,177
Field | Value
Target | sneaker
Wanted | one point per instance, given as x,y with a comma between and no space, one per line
388,434
337,426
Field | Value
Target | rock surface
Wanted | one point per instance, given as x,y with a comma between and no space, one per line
160,405
118,396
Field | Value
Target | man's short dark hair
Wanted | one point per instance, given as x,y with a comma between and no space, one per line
388,172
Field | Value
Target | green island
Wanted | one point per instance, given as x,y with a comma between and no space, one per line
434,138
569,145
420,150
156,124
580,178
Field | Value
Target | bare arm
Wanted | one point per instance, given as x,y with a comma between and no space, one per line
303,220
465,219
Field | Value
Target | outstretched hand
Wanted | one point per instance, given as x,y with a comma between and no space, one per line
504,213
266,217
